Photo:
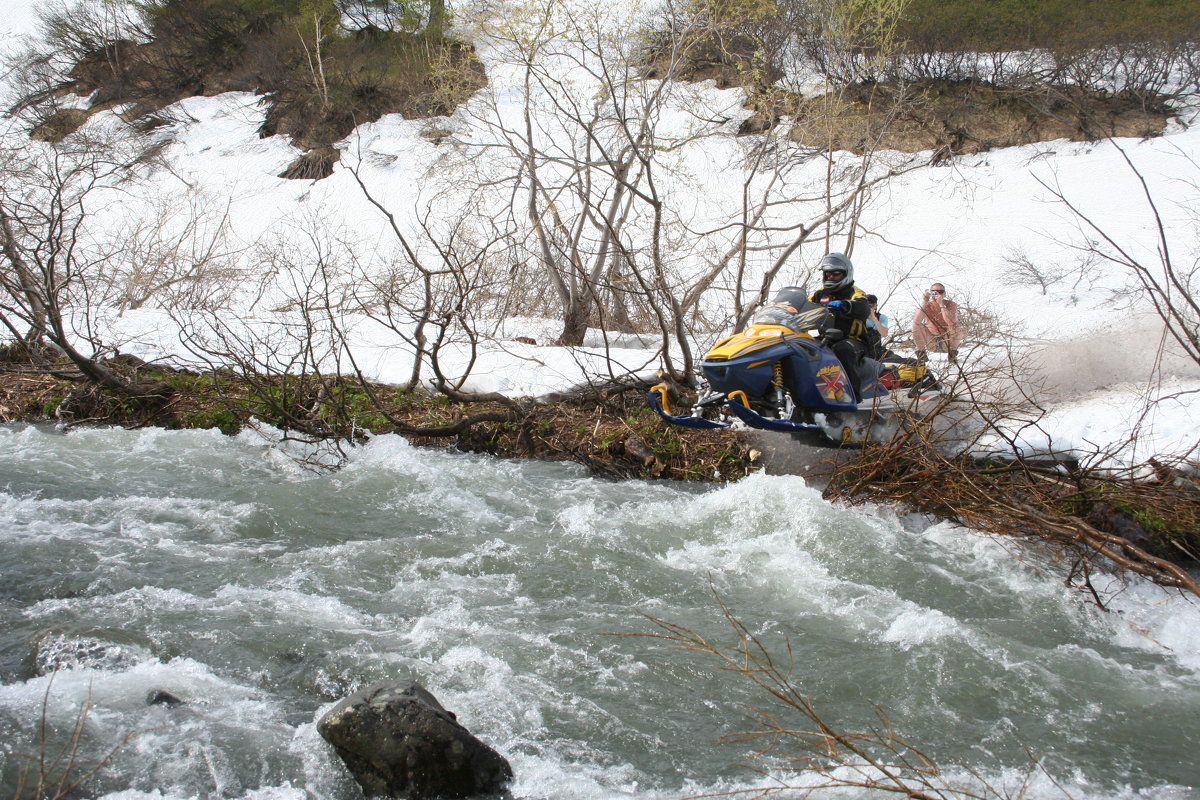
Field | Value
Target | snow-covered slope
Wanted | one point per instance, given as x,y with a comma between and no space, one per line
966,223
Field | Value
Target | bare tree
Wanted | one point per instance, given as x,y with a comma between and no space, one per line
1169,281
583,167
54,266
585,163
79,35
175,253
438,291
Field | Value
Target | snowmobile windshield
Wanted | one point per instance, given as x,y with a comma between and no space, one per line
808,317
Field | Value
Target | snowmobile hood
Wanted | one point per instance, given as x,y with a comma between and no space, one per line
752,338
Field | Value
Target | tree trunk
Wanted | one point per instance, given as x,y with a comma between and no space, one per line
436,27
30,298
574,325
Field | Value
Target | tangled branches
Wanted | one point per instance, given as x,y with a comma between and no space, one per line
1084,514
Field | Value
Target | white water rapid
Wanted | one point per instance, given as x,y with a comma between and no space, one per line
259,593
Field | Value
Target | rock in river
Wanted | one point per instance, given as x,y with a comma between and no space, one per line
398,741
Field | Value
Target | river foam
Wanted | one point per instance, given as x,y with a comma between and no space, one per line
259,592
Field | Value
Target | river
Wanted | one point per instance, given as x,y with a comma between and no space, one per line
259,592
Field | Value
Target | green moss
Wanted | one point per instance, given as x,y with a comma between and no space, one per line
608,438
375,423
407,399
663,440
1149,519
219,417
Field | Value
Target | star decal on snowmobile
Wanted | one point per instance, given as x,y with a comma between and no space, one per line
831,383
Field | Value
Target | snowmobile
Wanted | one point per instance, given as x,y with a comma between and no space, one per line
780,375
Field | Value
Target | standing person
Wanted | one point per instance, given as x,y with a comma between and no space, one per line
877,329
935,325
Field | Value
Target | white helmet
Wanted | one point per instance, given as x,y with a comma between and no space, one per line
836,271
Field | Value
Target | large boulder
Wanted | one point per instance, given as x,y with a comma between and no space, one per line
398,741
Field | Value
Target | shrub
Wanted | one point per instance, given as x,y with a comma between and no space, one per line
967,25
321,80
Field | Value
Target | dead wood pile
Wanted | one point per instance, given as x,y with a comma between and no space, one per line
1145,521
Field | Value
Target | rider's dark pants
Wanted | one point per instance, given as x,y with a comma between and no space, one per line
850,353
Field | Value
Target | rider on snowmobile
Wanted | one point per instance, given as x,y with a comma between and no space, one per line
850,309
847,337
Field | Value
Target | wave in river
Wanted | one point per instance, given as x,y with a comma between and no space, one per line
259,592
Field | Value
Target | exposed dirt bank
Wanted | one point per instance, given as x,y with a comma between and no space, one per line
612,432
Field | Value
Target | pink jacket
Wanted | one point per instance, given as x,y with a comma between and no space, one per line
935,325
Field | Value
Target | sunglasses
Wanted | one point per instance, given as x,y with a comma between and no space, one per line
938,291
835,273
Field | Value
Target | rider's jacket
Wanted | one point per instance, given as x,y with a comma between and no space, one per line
852,316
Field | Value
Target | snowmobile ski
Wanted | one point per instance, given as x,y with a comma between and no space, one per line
656,399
